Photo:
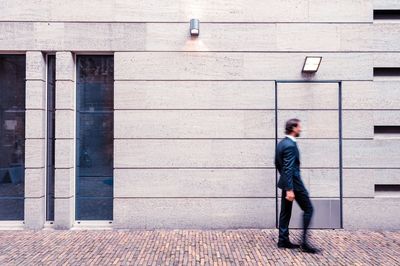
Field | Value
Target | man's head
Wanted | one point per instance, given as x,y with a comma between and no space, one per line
293,127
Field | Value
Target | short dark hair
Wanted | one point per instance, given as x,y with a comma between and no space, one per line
290,124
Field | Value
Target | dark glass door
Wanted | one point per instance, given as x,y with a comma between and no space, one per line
95,104
12,136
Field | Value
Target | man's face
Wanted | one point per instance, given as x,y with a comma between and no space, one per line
297,130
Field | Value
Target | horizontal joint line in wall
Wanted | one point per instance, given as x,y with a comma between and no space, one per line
372,168
364,197
371,138
304,109
27,197
195,109
210,197
189,168
271,138
35,109
256,51
211,168
355,110
185,22
241,80
34,79
71,80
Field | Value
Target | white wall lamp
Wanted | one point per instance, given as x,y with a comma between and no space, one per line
194,27
311,64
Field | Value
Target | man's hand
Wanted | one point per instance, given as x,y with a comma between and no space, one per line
290,195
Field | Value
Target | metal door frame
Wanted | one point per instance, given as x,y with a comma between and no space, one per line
339,82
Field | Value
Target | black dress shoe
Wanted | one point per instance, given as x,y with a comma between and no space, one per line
308,249
287,245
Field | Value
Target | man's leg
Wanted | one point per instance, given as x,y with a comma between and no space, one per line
304,202
284,218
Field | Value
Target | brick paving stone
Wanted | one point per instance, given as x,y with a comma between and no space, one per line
195,247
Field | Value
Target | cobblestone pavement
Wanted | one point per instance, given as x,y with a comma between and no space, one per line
194,247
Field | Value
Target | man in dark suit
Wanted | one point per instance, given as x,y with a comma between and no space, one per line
287,161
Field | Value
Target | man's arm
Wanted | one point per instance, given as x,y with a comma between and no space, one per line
289,157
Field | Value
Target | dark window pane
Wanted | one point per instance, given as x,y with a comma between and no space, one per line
12,136
95,91
94,208
51,80
12,209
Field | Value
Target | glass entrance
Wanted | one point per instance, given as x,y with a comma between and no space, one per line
95,104
12,136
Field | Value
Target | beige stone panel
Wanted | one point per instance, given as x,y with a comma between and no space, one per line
65,124
65,183
194,124
35,65
308,96
212,11
387,176
75,10
387,94
64,153
386,60
340,10
35,182
194,213
387,118
34,153
308,37
356,37
371,95
213,37
378,153
65,94
238,66
386,4
65,66
193,153
34,213
322,183
49,36
358,183
386,37
358,124
194,183
194,95
35,94
35,121
173,11
317,153
105,36
359,95
64,213
376,214
315,123
15,36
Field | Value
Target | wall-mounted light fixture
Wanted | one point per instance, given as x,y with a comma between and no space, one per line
194,27
311,64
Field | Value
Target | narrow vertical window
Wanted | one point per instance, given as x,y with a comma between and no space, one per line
95,105
51,85
12,136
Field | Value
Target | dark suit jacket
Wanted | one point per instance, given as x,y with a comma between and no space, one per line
287,161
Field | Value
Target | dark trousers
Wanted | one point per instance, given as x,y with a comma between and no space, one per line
304,202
